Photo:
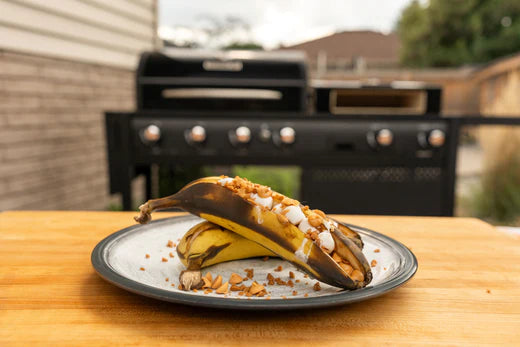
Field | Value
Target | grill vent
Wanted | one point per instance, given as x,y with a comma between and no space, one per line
388,174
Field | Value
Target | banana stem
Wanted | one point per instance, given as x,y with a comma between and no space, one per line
146,209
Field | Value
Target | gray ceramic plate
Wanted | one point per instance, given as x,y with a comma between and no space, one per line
120,258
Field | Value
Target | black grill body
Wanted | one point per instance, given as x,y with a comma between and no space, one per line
253,108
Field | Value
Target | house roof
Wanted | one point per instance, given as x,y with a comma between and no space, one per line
371,45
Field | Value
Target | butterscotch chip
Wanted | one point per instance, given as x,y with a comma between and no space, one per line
279,268
290,202
256,288
223,289
373,263
282,219
209,276
317,286
265,258
171,255
320,213
164,260
170,244
291,274
377,250
346,267
315,220
141,268
264,192
217,283
207,283
235,278
235,288
147,256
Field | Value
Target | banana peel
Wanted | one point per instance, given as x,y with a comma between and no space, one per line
212,201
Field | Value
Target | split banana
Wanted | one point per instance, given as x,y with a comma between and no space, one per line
207,244
307,238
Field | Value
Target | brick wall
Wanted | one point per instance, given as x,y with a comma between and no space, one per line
52,140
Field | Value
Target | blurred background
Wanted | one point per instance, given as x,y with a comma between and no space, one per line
63,64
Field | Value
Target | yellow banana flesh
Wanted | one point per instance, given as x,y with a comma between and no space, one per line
211,200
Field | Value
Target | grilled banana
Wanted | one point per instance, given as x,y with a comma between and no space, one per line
307,238
206,244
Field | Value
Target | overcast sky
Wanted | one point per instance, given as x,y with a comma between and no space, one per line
275,22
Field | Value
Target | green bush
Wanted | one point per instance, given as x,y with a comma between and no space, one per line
498,199
285,180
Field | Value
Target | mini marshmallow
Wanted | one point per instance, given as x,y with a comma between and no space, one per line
326,241
266,202
225,180
304,226
294,214
277,208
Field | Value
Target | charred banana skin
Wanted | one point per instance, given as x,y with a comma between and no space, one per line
211,201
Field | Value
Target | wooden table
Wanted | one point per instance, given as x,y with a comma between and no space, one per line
467,291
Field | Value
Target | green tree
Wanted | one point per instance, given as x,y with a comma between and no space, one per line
456,32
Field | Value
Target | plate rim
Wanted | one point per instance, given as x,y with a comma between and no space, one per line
105,271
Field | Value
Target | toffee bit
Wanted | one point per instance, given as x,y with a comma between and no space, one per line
384,268
305,276
171,255
373,263
265,258
180,286
377,250
279,268
173,284
284,297
164,260
267,298
294,293
170,244
290,283
166,279
297,281
195,290
147,256
317,286
141,268
291,274
306,295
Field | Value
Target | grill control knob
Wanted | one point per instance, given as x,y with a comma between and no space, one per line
197,134
151,134
242,135
287,135
384,137
436,138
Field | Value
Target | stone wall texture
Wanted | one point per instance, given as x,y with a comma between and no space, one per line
52,132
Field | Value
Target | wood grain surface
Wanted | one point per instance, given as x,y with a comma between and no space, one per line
467,291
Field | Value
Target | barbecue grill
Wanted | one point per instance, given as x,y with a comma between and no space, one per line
362,148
